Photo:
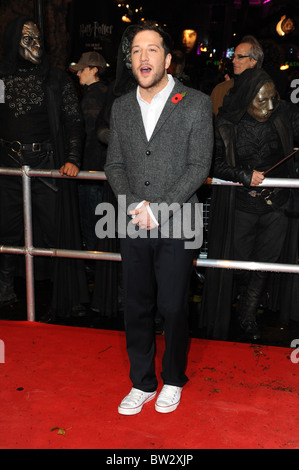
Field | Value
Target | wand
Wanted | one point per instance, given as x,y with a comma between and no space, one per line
281,161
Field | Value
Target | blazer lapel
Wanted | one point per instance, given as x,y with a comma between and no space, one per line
136,115
168,108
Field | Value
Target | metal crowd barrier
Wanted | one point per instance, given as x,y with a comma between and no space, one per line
29,250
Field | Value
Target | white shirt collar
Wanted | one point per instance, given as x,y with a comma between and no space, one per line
163,94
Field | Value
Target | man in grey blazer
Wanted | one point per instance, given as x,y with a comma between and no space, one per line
159,154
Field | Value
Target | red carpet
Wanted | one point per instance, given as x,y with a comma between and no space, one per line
60,388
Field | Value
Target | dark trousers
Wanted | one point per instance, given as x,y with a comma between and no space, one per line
156,277
258,237
11,212
12,225
90,195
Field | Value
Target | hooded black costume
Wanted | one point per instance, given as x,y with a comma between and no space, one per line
41,113
242,145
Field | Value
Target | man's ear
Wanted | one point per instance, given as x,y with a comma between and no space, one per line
168,60
253,63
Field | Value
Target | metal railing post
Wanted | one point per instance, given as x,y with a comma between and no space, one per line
29,259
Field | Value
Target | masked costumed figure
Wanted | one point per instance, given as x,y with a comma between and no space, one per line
41,126
253,132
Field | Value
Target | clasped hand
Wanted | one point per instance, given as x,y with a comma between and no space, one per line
142,217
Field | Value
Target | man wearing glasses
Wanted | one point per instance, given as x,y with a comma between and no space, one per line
248,54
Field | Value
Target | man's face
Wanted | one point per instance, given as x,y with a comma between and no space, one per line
30,43
241,60
149,63
262,105
87,75
189,39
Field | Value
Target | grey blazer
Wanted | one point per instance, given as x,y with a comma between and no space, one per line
166,170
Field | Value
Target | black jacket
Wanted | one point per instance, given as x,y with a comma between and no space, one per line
92,102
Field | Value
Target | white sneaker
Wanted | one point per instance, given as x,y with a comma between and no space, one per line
168,399
133,403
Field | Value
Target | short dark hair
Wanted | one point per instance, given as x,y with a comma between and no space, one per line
152,26
100,71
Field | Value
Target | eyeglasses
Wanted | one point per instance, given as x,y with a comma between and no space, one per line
239,56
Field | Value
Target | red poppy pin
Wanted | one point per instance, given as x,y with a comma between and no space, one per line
178,97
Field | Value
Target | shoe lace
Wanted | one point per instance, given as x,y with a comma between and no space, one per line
168,393
134,396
